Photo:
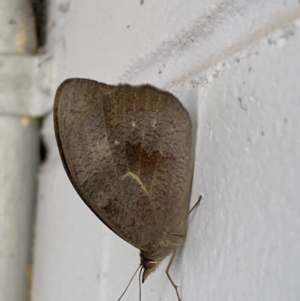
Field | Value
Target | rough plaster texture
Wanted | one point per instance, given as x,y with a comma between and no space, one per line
235,66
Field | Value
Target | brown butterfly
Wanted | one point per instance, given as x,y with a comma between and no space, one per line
127,152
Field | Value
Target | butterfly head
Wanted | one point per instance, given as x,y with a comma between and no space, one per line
148,266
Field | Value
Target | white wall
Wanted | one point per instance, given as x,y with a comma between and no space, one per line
235,65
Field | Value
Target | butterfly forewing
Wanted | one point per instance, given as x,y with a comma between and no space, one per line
127,152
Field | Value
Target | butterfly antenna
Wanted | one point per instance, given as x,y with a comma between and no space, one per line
139,267
140,284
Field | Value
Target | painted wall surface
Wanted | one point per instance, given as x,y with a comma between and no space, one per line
235,65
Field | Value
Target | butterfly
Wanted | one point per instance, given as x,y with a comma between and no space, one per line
127,152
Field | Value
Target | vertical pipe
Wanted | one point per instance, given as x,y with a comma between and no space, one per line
19,158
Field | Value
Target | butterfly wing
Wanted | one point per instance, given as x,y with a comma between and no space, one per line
127,152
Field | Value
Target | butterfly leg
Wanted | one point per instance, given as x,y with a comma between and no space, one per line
169,276
174,253
195,205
